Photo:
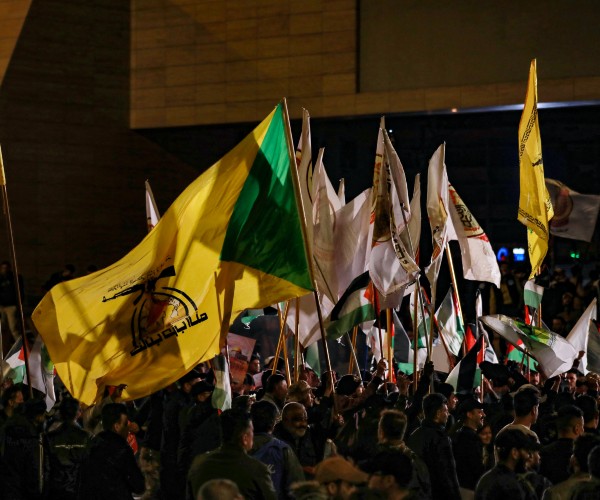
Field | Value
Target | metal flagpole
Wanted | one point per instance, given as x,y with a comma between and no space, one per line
13,253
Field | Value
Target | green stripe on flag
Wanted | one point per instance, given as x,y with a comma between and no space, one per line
532,295
265,231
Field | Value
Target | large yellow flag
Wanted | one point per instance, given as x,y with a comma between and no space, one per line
232,240
535,207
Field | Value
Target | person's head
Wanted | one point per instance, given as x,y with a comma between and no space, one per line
5,267
471,412
300,392
237,429
219,489
582,447
567,299
189,380
534,378
12,398
390,472
571,379
559,325
589,407
248,384
264,415
339,477
114,419
569,422
514,449
254,365
201,391
69,409
526,402
35,410
485,434
294,419
392,426
277,387
448,391
435,408
348,385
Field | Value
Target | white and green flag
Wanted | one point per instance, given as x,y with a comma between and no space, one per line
450,323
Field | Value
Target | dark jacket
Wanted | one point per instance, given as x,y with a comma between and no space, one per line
20,466
555,460
200,433
501,483
66,449
231,462
420,483
110,471
431,443
284,467
468,454
309,448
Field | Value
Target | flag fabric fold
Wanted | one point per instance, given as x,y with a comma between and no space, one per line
580,333
232,240
152,213
553,353
450,323
478,258
221,397
575,214
437,211
535,207
463,375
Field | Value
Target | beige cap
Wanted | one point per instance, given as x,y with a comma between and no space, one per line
339,469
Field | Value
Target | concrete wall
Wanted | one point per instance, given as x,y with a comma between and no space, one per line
200,62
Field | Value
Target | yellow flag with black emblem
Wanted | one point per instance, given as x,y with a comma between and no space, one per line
232,240
535,207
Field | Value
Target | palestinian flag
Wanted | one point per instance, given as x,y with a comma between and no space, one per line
354,307
464,376
221,396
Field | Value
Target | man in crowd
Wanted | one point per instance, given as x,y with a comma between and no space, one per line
231,461
12,398
111,471
556,456
432,444
513,448
467,447
66,449
390,473
276,390
278,456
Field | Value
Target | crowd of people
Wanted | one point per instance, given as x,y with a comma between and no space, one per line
377,435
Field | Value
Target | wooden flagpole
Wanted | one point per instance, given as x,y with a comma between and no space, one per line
353,359
455,290
297,342
415,342
309,257
281,335
390,350
15,270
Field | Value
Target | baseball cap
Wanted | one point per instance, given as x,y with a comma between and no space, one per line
298,390
339,469
468,405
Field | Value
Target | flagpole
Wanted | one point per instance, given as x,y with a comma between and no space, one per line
415,341
13,253
455,289
419,300
353,358
281,328
482,389
390,327
309,257
297,342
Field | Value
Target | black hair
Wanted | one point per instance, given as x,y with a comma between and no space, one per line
432,403
264,415
111,414
234,423
68,409
10,394
393,424
525,401
582,447
589,407
273,381
565,417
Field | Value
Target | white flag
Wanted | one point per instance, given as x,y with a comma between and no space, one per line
437,210
575,214
478,259
579,335
305,173
342,192
152,215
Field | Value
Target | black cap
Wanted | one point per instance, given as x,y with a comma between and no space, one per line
468,405
200,387
347,385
